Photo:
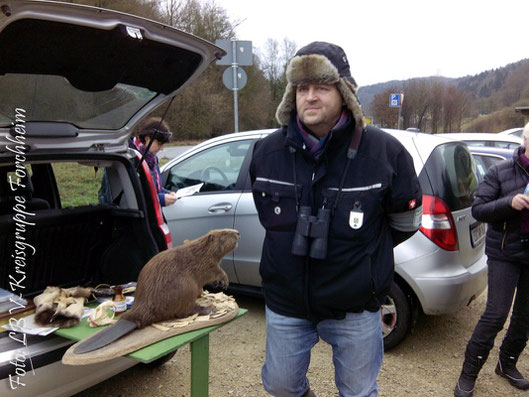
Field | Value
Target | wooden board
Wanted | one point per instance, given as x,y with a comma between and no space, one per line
155,341
146,345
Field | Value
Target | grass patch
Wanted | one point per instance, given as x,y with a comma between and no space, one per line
78,184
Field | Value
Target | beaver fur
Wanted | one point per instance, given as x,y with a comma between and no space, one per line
172,280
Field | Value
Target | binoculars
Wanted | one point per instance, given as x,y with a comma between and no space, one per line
311,227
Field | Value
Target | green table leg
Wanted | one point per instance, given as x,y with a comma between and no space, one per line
200,367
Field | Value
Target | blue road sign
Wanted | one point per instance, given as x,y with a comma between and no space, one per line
394,100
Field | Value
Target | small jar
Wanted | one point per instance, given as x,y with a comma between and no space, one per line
119,299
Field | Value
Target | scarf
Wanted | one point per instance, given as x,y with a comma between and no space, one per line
152,162
314,145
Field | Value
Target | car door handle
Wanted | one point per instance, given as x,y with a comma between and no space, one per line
222,207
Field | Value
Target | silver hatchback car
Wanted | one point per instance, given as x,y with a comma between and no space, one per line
74,82
438,270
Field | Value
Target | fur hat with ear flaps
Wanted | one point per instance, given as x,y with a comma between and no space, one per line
322,63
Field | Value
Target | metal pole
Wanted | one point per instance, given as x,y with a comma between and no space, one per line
235,89
401,101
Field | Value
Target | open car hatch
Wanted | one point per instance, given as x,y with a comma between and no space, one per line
80,78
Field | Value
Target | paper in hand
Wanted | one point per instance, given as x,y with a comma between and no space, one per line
188,191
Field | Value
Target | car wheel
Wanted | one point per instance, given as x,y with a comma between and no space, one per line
396,313
160,361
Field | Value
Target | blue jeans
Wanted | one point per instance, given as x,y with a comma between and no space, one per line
504,278
357,348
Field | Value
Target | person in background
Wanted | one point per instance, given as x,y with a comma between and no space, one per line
153,128
501,201
335,197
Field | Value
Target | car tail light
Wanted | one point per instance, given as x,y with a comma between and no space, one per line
438,223
157,207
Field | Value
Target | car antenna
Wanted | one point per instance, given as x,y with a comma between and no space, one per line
420,118
118,197
154,135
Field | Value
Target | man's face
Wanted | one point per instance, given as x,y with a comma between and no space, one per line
319,107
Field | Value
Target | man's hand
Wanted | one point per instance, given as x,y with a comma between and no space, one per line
520,201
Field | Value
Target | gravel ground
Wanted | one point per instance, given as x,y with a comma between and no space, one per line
427,363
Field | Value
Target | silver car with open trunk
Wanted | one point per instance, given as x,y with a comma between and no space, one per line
74,82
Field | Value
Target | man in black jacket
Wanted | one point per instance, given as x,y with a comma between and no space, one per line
335,197
502,200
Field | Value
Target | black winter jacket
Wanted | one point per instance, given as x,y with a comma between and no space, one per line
492,204
380,185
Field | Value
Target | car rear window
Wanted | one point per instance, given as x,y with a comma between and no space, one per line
45,68
450,174
53,98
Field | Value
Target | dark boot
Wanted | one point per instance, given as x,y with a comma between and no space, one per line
506,367
309,393
469,374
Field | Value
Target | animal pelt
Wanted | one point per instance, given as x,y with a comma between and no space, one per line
169,284
59,307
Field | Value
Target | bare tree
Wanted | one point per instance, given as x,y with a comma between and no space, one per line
288,48
171,11
385,116
415,102
256,100
454,107
273,61
515,84
202,18
435,99
273,65
143,8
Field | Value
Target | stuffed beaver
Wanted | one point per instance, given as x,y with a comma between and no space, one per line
171,281
169,284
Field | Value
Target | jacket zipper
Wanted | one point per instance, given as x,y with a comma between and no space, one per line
308,261
505,223
504,235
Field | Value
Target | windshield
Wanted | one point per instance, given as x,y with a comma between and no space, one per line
49,97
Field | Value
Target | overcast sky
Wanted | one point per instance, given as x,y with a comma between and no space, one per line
395,40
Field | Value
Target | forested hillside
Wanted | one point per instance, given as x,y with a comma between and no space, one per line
484,102
481,103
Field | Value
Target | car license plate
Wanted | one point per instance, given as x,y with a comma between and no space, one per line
477,233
